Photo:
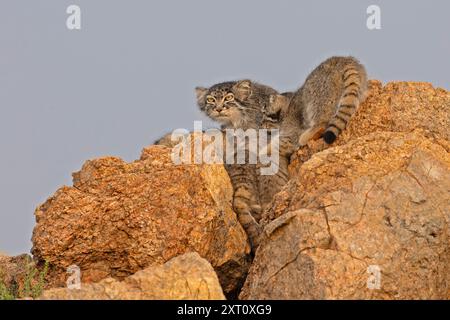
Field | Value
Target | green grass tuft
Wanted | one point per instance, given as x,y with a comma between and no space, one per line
5,293
32,287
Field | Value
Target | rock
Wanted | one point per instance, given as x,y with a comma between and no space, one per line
15,272
365,218
119,218
187,277
378,201
395,107
11,267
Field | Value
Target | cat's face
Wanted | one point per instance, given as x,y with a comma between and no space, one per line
227,103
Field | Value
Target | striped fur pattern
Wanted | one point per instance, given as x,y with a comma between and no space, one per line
324,104
353,87
235,104
245,180
252,191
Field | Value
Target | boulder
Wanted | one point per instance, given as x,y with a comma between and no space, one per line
395,107
119,218
365,218
20,277
186,277
368,219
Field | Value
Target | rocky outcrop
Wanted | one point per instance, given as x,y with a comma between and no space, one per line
365,218
379,202
368,217
119,218
395,107
186,277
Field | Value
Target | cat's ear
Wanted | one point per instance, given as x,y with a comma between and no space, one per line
243,89
200,93
277,103
283,101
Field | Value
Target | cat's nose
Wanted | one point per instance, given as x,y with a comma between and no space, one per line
219,108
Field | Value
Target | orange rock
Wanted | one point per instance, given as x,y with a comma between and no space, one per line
119,218
395,107
186,277
381,200
365,218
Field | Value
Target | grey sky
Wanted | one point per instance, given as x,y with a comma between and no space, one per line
128,76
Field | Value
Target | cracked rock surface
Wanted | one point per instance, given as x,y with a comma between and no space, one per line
381,200
119,218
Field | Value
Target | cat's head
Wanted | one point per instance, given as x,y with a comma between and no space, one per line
229,103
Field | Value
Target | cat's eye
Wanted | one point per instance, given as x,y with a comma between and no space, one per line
229,97
210,99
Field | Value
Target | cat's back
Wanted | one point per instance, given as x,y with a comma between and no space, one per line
328,78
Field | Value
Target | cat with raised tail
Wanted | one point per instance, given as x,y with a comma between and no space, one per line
323,105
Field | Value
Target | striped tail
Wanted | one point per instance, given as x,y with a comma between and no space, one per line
355,84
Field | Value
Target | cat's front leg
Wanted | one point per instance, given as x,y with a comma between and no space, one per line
248,212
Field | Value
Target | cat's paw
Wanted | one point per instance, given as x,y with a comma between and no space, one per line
256,210
301,141
248,212
311,134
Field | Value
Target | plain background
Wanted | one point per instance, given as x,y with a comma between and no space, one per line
127,77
